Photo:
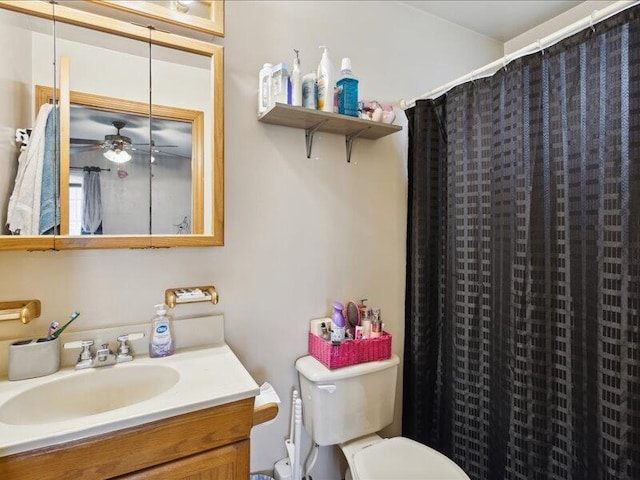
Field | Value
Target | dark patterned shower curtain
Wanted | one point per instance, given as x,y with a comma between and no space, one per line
522,341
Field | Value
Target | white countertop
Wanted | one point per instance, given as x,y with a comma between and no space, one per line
209,376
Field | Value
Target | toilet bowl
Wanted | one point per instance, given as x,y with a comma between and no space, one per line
376,458
348,405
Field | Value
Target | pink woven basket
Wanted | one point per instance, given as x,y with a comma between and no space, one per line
351,352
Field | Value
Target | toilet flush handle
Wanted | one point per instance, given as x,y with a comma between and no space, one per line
328,388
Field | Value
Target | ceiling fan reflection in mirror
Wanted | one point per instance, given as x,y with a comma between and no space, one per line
116,145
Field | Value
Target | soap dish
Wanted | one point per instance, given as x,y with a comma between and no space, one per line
35,357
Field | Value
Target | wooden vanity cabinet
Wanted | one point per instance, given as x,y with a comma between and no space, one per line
211,444
223,463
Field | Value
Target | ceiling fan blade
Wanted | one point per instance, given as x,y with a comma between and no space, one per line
153,144
79,149
85,141
158,152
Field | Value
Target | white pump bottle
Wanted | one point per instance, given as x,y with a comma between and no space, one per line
325,82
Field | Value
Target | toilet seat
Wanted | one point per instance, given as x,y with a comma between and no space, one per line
402,458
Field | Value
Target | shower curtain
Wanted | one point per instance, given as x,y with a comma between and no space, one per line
91,202
522,338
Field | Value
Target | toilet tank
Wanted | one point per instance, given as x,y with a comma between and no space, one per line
349,402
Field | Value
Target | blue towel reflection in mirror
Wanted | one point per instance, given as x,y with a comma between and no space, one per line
91,202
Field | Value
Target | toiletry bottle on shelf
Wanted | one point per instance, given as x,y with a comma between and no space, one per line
264,88
296,82
325,83
279,84
337,322
309,91
347,88
161,341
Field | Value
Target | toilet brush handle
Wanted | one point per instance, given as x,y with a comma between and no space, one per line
294,397
297,466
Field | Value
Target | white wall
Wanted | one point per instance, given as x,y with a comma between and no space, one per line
547,28
299,232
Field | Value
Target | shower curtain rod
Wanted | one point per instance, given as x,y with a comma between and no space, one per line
488,70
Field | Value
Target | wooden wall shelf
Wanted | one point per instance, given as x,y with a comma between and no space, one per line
312,121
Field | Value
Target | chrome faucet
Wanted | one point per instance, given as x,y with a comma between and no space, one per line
104,356
85,360
124,351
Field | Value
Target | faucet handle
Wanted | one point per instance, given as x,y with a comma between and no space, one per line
124,353
86,357
79,344
131,336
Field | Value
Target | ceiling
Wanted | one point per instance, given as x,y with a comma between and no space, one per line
501,20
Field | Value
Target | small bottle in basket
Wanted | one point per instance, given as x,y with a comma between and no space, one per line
366,324
376,325
337,322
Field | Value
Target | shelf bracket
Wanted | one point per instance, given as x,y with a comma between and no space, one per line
308,135
349,141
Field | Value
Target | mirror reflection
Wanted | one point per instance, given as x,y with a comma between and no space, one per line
138,159
129,173
111,163
29,151
195,8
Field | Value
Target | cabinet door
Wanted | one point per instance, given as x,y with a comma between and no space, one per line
225,463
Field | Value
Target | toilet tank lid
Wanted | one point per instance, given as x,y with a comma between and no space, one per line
315,371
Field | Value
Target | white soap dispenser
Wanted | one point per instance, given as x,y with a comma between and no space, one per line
325,83
161,339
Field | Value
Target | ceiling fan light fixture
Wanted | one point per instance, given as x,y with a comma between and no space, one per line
181,6
117,156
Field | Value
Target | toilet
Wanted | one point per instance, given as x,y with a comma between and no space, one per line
348,405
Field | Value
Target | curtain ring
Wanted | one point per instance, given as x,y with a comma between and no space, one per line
592,20
504,63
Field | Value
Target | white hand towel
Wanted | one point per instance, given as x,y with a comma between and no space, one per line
23,214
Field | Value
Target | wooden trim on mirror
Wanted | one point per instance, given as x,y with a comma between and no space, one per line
217,222
197,174
164,241
84,242
27,242
212,26
108,25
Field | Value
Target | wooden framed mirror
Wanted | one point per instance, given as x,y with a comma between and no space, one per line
206,16
176,62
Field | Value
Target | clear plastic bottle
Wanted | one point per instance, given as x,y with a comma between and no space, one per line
309,91
296,82
264,88
161,340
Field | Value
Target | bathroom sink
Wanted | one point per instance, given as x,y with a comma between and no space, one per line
88,392
72,405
